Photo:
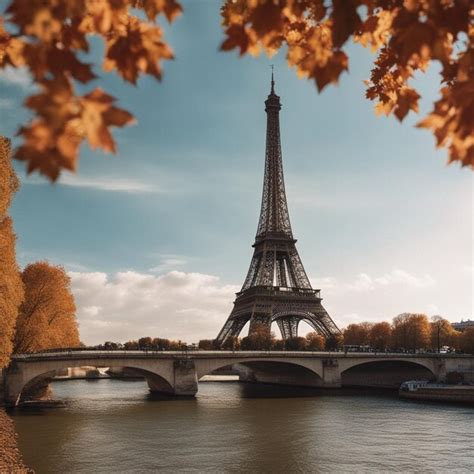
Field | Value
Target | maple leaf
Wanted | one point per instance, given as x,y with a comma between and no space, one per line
138,49
97,115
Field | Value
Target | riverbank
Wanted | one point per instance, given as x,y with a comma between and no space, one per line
11,460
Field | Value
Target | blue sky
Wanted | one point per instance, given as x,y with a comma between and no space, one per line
383,224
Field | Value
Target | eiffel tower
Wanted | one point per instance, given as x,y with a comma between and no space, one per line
276,287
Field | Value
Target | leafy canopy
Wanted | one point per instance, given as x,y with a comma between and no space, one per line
50,38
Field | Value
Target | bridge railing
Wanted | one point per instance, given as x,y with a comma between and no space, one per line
100,353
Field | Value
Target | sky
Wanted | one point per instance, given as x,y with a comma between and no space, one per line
157,238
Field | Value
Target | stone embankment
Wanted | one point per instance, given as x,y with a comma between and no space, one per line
10,456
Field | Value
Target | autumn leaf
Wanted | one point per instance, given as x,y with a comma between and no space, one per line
51,37
407,35
97,115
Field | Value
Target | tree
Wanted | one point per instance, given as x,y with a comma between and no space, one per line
380,336
160,344
357,334
278,345
411,332
335,342
145,343
206,344
260,339
296,343
47,316
131,345
11,286
232,343
400,331
315,342
51,39
466,341
441,332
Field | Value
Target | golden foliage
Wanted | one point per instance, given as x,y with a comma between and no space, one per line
52,36
47,317
380,336
466,341
358,334
408,35
315,341
11,286
11,289
411,331
51,39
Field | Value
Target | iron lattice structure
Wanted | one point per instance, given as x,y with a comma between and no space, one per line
276,287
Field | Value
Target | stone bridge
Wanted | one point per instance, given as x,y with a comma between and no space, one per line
178,373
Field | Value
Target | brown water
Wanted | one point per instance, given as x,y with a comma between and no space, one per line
114,426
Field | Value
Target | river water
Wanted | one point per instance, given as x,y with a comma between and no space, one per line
115,426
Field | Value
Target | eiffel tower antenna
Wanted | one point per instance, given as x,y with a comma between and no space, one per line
273,83
276,288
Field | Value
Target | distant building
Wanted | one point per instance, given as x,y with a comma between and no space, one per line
461,326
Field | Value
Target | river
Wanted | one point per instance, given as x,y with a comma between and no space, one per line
115,426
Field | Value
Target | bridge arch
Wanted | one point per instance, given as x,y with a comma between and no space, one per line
284,370
385,373
23,377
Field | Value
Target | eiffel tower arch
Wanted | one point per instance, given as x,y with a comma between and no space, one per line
276,288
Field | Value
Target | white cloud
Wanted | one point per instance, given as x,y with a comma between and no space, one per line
107,184
193,306
129,305
16,76
169,262
324,283
365,282
100,184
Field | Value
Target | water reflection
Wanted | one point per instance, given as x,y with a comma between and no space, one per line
115,426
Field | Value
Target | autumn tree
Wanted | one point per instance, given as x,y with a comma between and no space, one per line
278,345
411,332
51,40
380,336
206,344
441,332
260,339
357,334
145,343
47,316
11,285
160,344
296,343
131,345
232,343
315,342
466,340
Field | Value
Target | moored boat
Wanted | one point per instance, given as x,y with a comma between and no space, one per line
439,392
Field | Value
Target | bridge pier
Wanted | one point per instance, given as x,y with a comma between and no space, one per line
185,378
331,373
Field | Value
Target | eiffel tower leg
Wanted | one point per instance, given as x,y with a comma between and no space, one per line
288,326
258,321
232,327
323,325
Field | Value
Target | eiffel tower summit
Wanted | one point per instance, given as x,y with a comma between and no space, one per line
276,288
